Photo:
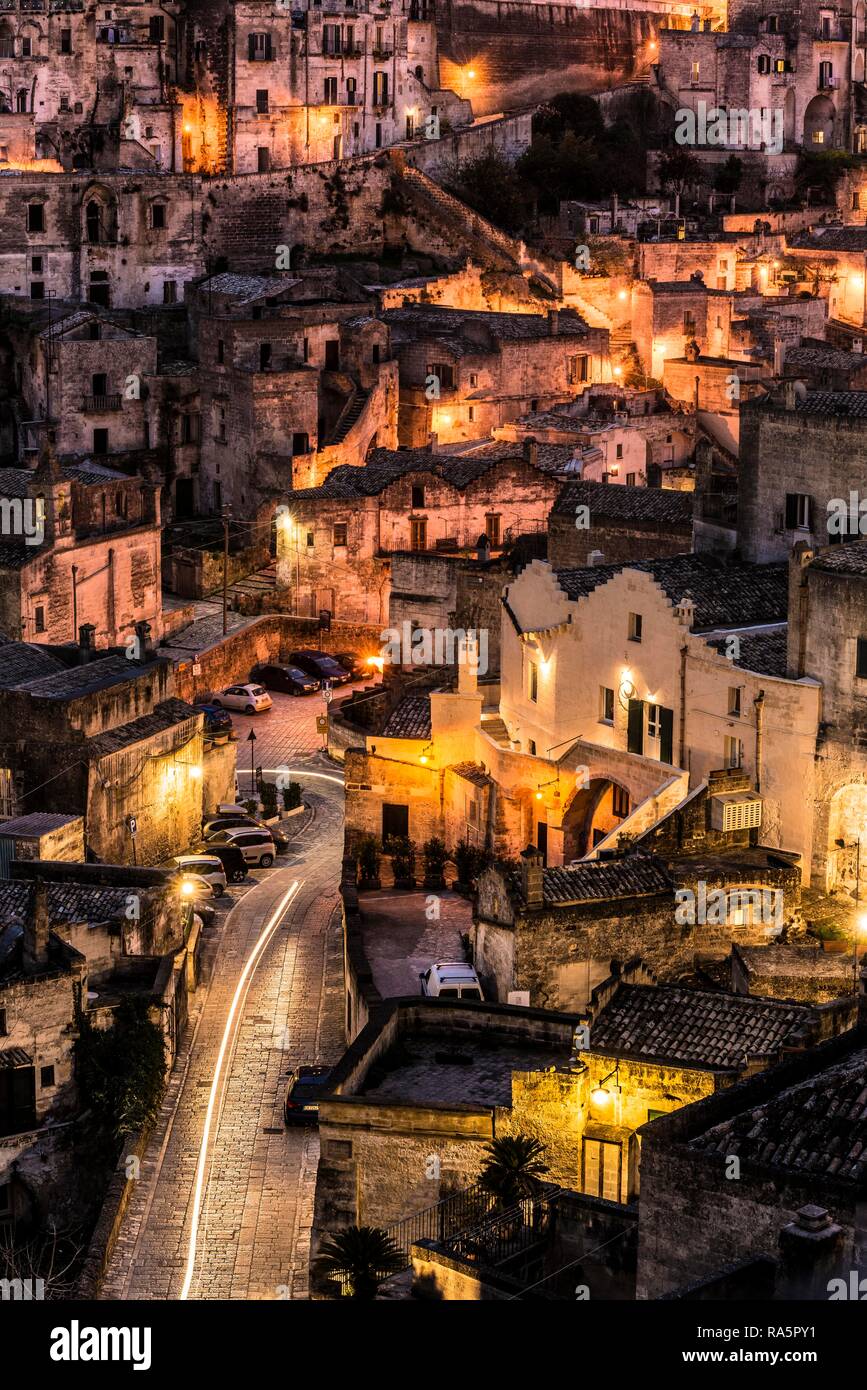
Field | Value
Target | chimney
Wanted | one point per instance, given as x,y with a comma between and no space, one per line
595,557
85,643
433,442
145,645
531,452
811,1254
532,883
468,664
36,929
553,322
685,610
779,356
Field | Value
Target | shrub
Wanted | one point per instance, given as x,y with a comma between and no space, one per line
291,796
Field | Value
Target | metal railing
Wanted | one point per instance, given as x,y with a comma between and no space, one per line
94,405
464,1210
508,1233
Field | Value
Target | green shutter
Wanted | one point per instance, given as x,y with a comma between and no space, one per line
635,727
666,734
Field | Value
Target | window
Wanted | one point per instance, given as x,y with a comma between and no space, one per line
94,330
635,627
37,289
653,721
170,291
99,384
331,39
350,92
36,265
330,97
418,535
66,40
395,821
259,48
733,752
531,747
156,28
417,497
39,619
763,63
158,216
689,321
46,1078
378,135
601,1165
444,373
221,350
100,441
818,137
300,442
35,217
861,659
578,369
619,802
263,160
695,72
492,527
340,532
64,102
26,47
380,89
265,353
735,700
262,101
799,510
532,681
630,480
310,540
773,24
606,705
471,414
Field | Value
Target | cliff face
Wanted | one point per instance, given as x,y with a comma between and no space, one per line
521,53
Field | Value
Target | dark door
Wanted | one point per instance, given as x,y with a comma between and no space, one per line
666,734
332,355
17,1099
635,727
395,822
184,498
542,839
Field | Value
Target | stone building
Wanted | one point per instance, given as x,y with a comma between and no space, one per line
334,548
613,524
462,372
669,314
834,258
795,1134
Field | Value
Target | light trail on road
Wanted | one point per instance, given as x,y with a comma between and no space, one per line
229,1033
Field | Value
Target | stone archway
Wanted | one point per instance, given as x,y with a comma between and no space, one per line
819,123
591,813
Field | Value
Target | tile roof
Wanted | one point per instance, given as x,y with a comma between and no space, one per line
386,466
409,719
849,558
818,1126
163,716
67,902
598,880
637,505
725,595
70,683
762,652
471,772
21,662
36,823
246,288
696,1027
825,355
832,239
843,404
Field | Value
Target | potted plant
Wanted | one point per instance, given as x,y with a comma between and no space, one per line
435,856
358,1260
292,796
402,851
368,862
269,800
466,860
252,806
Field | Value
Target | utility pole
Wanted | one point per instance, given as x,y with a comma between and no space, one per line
251,739
225,518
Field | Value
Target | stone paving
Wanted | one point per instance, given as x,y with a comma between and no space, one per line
257,1205
400,940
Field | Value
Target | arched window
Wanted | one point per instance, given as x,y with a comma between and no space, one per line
93,215
21,100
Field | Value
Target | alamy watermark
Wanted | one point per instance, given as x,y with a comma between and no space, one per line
439,646
728,906
23,516
737,127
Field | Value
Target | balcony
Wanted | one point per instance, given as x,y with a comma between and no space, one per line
98,405
382,55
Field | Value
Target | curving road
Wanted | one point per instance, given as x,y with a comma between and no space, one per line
224,1204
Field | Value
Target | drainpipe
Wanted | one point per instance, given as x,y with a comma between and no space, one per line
74,602
682,739
759,703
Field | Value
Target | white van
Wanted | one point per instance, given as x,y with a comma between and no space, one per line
451,979
206,866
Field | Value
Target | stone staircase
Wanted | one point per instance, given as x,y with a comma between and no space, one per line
349,416
485,242
262,582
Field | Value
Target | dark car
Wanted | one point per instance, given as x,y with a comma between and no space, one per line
290,679
321,665
305,1087
358,666
231,858
217,720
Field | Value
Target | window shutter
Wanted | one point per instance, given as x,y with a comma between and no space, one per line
791,510
635,727
251,47
268,46
666,734
810,514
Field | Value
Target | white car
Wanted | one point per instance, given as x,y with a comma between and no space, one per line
256,845
451,979
194,886
250,699
205,866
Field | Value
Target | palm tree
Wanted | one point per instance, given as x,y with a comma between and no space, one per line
360,1258
513,1169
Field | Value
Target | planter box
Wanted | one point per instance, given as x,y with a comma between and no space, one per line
369,884
837,948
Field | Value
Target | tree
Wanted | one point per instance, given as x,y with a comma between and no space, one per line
360,1258
513,1169
121,1070
821,171
490,185
677,169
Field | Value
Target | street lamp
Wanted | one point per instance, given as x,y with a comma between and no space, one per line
600,1095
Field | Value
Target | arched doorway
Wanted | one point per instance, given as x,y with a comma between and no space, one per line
789,117
847,824
593,812
819,123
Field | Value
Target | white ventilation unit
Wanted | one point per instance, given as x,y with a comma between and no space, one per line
736,811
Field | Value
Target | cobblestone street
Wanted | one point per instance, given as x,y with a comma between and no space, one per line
257,1197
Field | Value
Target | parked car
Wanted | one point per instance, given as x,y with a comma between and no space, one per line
213,827
305,1087
194,886
252,699
256,845
290,679
217,720
205,866
231,858
450,979
357,666
321,665
206,911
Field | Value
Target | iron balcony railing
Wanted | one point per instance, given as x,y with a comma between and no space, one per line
463,1210
94,405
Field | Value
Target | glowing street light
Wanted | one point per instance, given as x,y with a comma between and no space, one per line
600,1095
